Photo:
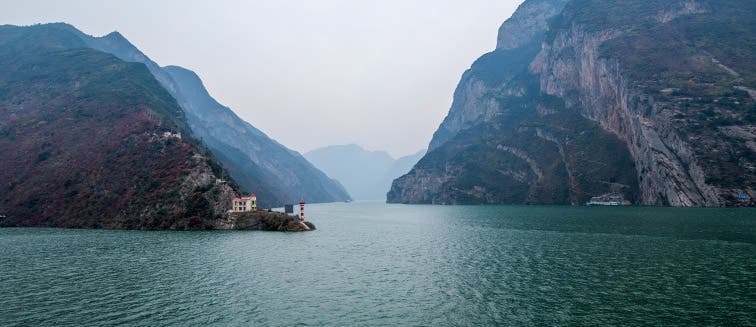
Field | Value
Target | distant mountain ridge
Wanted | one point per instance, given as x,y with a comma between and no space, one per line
367,175
258,163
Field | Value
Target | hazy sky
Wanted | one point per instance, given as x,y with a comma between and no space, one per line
380,73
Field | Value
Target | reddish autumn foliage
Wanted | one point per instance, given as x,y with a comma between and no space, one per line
81,144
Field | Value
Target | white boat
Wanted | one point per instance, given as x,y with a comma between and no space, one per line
607,200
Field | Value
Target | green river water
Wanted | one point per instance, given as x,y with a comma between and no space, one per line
372,264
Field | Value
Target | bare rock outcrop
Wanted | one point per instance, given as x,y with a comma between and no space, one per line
651,98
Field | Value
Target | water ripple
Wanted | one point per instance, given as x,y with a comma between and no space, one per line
377,265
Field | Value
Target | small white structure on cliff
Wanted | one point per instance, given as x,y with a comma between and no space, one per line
245,204
169,135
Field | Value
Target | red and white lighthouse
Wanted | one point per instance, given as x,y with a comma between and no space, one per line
301,210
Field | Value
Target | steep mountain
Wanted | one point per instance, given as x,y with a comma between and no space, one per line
258,163
367,175
651,99
88,140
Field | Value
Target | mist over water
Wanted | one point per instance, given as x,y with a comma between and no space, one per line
378,264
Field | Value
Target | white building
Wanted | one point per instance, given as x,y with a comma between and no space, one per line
169,135
245,204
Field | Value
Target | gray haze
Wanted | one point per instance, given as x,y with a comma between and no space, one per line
366,175
309,73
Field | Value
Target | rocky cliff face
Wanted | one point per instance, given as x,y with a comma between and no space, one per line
666,85
667,170
527,23
88,140
493,76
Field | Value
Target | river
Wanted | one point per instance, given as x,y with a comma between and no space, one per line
373,264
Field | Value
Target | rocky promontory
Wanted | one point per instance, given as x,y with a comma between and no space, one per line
262,220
